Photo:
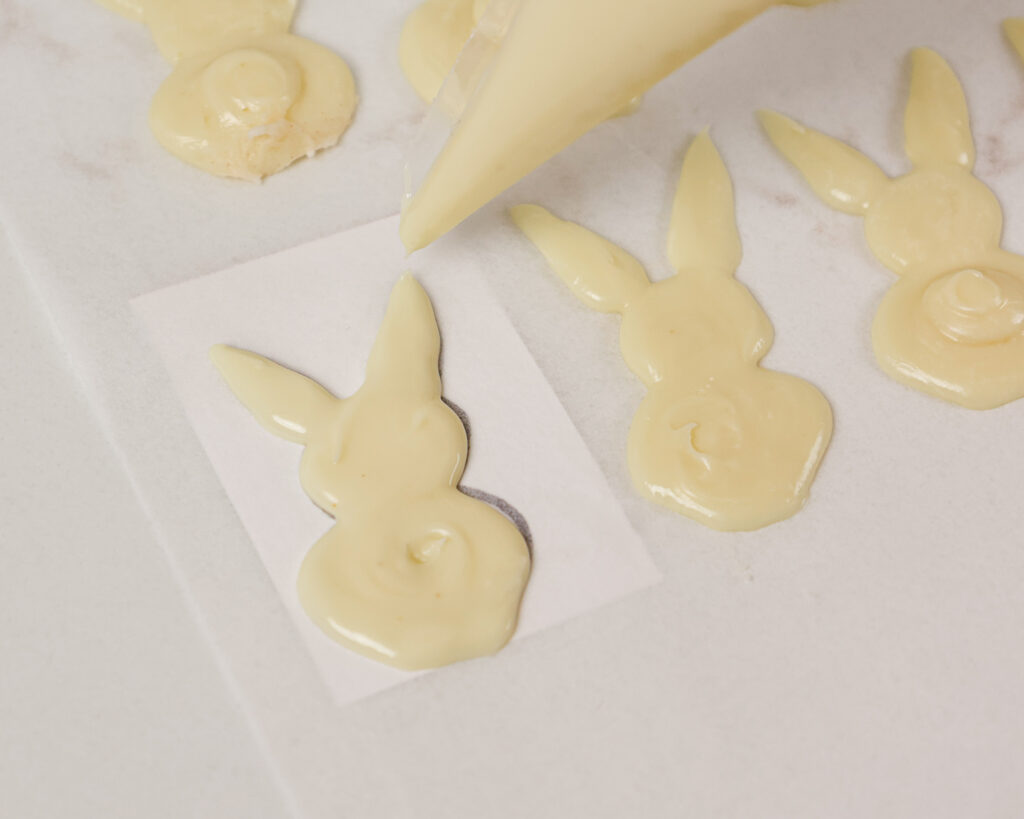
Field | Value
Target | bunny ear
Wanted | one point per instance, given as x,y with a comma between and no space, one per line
283,401
702,232
938,125
602,275
1014,29
405,354
842,176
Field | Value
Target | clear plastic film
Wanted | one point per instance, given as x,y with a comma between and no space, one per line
463,81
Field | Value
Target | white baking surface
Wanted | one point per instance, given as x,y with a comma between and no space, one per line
317,308
862,659
109,699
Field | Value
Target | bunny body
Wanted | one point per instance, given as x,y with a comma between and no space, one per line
246,99
953,325
717,438
414,573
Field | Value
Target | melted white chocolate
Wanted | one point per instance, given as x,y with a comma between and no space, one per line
1014,29
254,107
432,37
953,325
183,28
414,573
246,99
563,67
432,40
717,438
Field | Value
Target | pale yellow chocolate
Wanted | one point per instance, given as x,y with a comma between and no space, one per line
953,325
1014,29
414,573
246,99
718,438
184,28
254,107
432,37
563,67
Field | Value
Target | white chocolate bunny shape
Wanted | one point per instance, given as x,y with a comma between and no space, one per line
414,573
953,325
717,438
245,99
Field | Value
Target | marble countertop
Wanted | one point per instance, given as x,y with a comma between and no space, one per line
859,660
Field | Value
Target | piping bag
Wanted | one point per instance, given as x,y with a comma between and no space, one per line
535,76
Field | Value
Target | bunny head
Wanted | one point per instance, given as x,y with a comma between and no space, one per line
933,218
361,443
952,326
667,328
